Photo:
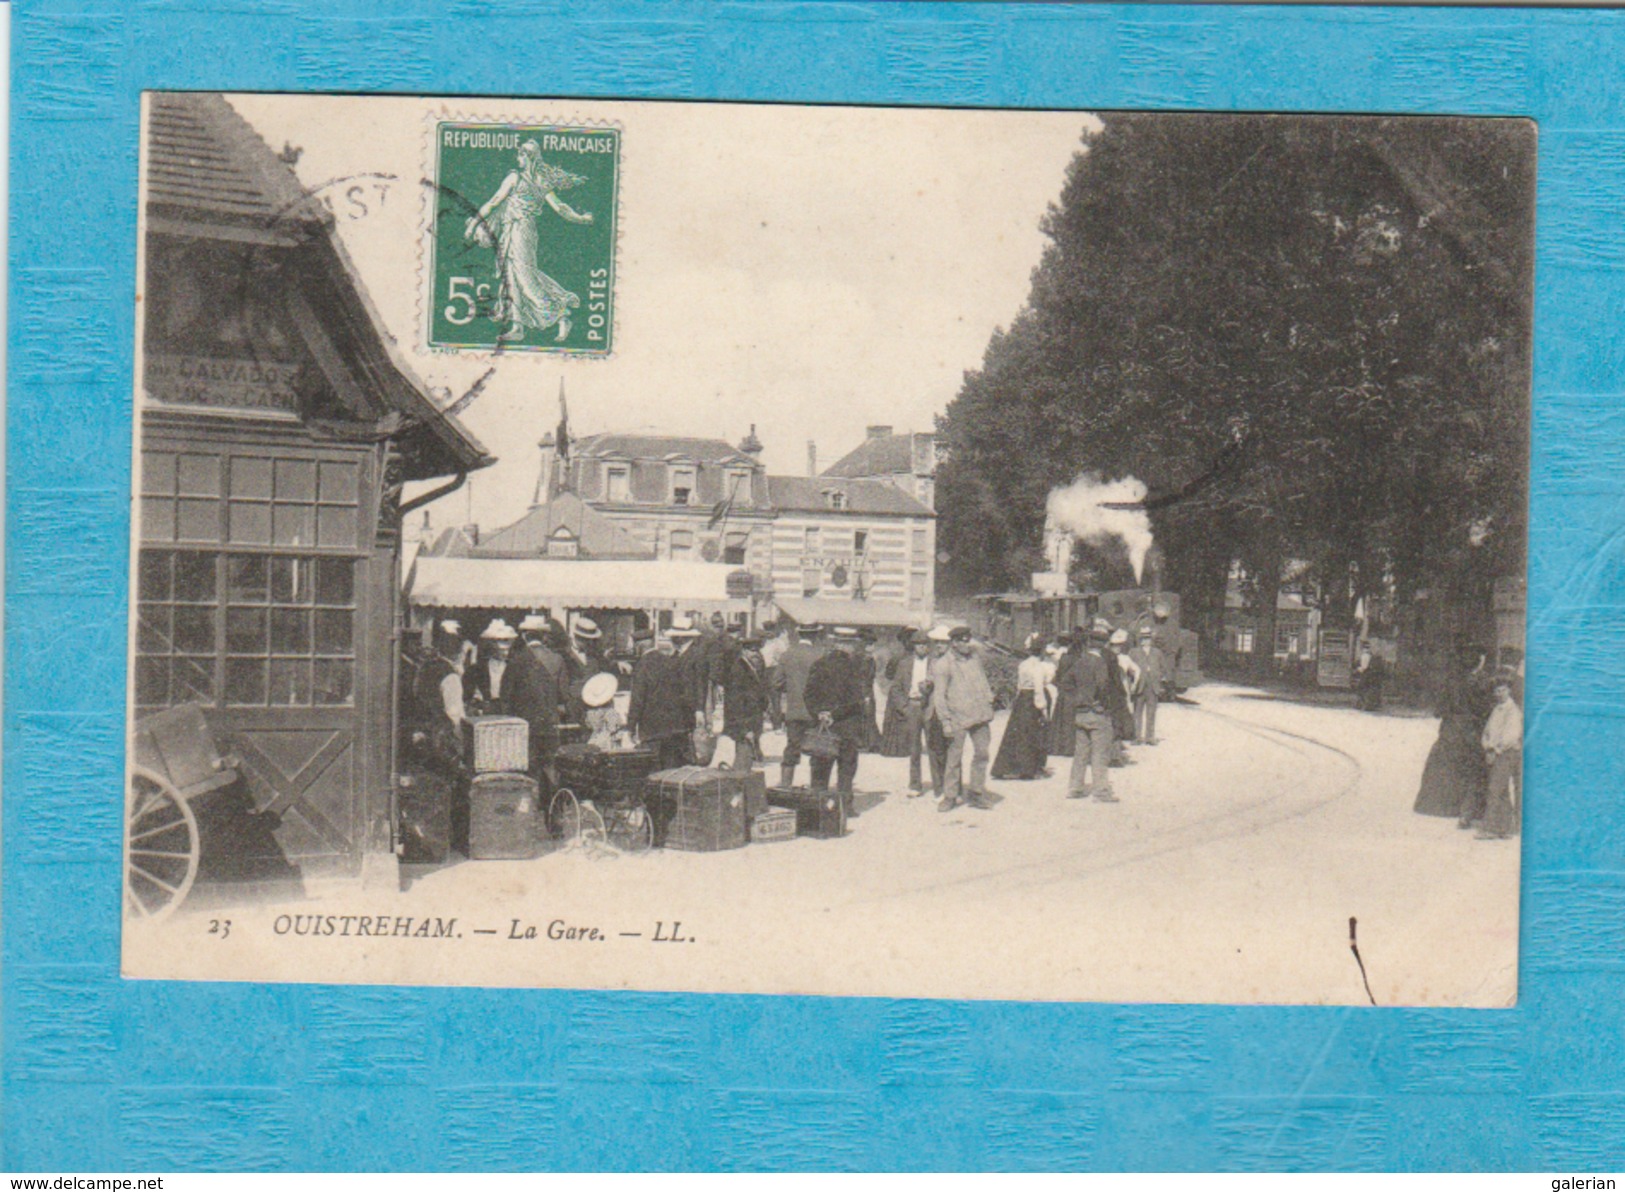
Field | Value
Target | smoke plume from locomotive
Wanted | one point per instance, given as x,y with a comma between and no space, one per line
1085,509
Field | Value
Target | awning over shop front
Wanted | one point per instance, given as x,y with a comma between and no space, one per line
878,613
572,583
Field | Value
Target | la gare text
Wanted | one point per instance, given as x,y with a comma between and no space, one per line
435,928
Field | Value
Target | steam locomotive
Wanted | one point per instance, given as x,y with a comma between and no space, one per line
1008,619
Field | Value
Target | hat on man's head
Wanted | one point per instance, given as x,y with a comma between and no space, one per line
939,633
810,629
450,628
682,627
599,690
587,629
533,623
845,633
1145,631
1119,637
751,641
499,631
1100,631
959,633
1161,610
718,620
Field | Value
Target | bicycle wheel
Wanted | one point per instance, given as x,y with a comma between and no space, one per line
631,828
161,846
593,832
564,817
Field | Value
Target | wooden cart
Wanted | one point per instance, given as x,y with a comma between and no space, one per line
175,761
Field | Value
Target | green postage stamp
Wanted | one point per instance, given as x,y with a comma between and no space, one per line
522,247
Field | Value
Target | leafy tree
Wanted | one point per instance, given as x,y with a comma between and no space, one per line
1336,309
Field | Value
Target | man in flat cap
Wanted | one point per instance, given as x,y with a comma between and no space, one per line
963,701
1089,684
836,686
794,668
744,701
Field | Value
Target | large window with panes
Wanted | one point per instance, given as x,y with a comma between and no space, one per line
246,580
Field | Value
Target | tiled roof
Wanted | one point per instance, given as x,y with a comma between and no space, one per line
658,446
599,537
205,159
881,455
811,494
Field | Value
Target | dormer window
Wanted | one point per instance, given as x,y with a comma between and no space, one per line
618,483
683,484
739,486
835,499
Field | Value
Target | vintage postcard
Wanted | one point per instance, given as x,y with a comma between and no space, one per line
1044,555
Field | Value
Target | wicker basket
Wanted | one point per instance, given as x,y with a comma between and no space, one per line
501,745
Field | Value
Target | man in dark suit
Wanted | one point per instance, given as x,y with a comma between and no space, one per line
835,693
744,701
531,694
484,686
794,668
661,711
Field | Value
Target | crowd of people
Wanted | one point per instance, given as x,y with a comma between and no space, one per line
1475,769
836,692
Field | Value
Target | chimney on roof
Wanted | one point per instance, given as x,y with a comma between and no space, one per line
812,458
750,444
880,432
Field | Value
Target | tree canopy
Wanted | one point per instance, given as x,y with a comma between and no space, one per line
1333,311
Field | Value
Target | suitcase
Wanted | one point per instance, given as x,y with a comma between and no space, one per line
423,801
501,745
819,814
755,794
779,824
697,809
504,821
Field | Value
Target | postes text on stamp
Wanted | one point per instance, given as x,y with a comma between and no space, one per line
523,242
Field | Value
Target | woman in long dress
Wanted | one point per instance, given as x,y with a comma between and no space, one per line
527,298
1453,780
1024,747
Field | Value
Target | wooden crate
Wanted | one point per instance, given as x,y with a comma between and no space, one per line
501,745
504,819
698,809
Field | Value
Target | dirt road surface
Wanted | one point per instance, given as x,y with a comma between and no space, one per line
1228,872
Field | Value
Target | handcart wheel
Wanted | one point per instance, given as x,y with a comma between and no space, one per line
592,825
564,816
632,829
161,846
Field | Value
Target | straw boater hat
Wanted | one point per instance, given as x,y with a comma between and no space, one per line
499,631
845,633
587,629
598,690
939,633
810,629
682,627
1119,637
451,628
1145,631
533,623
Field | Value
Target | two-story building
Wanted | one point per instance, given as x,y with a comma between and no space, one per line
907,461
851,551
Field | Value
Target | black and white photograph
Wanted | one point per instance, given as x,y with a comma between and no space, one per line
855,551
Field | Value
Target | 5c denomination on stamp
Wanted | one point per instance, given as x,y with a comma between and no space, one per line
522,248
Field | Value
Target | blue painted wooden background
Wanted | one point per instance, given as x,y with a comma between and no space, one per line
105,1074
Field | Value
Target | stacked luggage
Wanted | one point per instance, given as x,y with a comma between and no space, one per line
504,811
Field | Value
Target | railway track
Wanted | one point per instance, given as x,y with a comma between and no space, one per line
1277,807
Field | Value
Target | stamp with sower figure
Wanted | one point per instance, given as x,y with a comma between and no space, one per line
522,248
